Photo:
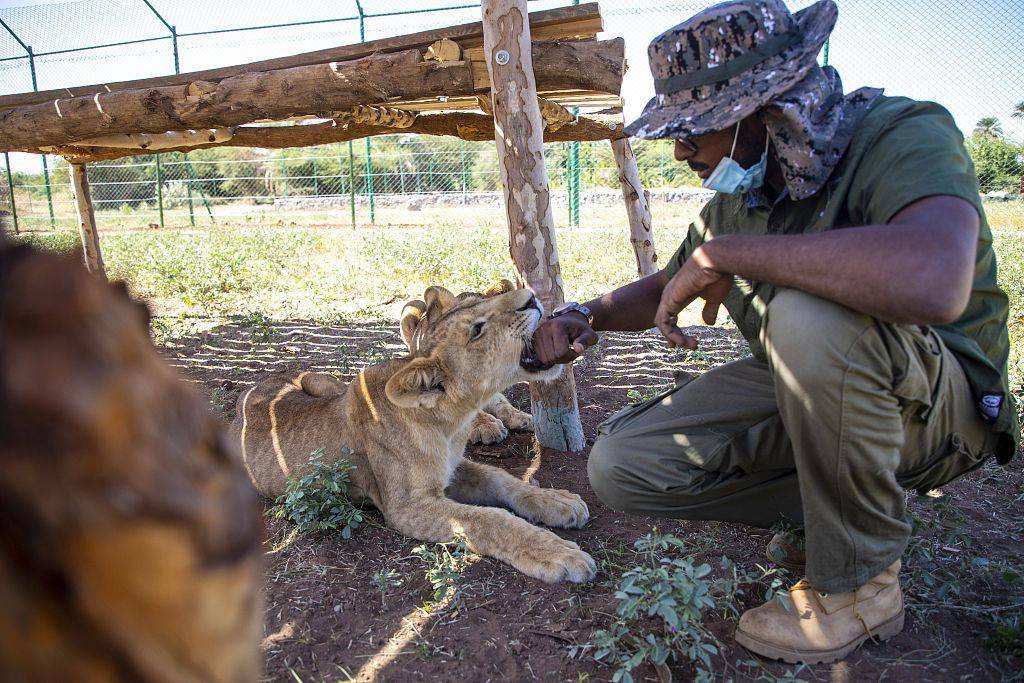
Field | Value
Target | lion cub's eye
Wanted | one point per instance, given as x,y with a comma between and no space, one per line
478,330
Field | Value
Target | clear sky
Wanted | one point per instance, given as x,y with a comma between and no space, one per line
969,56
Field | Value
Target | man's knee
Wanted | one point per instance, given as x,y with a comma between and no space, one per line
805,336
607,472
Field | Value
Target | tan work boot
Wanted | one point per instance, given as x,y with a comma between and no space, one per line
819,627
787,549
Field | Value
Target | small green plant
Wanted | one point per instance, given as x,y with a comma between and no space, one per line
318,500
445,564
1006,634
637,396
260,327
384,581
661,606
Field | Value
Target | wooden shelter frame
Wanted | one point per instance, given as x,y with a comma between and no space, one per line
511,78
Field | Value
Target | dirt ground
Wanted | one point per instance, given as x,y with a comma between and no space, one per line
325,620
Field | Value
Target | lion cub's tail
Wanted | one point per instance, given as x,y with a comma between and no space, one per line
319,384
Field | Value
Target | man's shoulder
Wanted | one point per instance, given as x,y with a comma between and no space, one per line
910,115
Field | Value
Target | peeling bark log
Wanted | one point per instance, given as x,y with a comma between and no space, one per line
519,137
318,89
87,220
315,90
472,127
638,208
130,538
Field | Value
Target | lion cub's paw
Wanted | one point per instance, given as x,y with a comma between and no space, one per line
518,421
554,507
487,429
553,559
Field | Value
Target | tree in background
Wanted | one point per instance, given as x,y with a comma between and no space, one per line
988,126
997,162
1018,111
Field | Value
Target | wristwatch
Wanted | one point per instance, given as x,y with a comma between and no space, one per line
573,307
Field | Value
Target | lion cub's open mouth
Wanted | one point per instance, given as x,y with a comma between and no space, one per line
527,360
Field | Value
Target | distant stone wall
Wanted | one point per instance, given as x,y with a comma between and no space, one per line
417,202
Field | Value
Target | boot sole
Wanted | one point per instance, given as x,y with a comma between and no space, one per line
882,632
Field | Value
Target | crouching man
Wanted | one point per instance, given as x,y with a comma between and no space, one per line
848,243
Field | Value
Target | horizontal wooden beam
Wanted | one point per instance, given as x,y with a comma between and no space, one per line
467,126
582,21
319,90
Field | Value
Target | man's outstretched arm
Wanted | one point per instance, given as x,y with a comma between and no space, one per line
917,269
629,308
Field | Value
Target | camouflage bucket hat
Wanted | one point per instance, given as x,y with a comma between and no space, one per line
726,62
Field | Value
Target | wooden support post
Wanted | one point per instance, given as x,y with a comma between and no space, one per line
518,132
638,208
86,220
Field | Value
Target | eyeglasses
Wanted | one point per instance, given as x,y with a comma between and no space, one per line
689,144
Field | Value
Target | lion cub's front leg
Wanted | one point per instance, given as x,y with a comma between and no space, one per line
485,485
496,533
487,429
513,418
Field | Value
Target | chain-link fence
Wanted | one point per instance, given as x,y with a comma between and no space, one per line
969,58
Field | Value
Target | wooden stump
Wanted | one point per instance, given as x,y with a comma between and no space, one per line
638,208
519,131
130,538
86,220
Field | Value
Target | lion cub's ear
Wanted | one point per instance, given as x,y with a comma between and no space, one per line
438,301
412,313
420,384
503,286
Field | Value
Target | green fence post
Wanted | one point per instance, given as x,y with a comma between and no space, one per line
352,183
316,179
369,179
160,189
190,173
825,58
49,194
188,192
10,187
465,171
574,184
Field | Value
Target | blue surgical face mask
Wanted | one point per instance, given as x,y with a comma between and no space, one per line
731,178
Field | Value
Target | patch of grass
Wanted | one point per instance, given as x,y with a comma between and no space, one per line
661,606
318,500
445,563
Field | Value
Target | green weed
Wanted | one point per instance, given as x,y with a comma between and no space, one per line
661,606
384,581
446,563
318,500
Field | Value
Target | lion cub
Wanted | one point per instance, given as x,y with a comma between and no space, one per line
408,419
498,416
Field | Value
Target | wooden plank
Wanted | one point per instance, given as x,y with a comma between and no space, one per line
87,220
563,22
467,126
638,208
519,138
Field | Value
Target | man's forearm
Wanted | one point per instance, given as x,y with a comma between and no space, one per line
902,274
629,308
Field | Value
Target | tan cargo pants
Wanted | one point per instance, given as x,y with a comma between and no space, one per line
846,413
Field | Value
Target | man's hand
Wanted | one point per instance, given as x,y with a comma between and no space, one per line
697,278
563,339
